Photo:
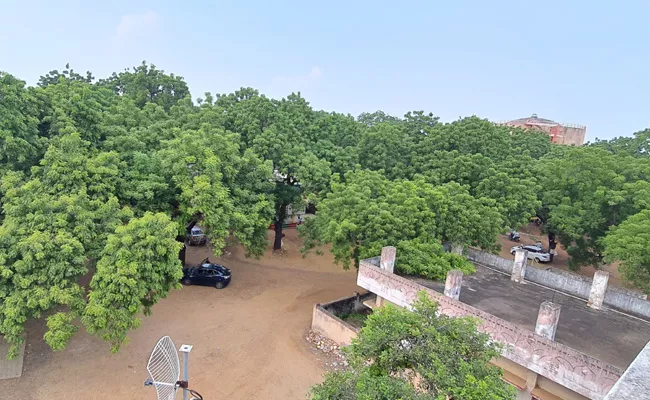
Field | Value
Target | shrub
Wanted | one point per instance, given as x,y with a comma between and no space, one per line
428,260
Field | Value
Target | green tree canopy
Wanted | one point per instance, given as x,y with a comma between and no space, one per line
585,191
20,141
417,355
629,244
228,191
368,211
637,145
79,159
138,266
147,84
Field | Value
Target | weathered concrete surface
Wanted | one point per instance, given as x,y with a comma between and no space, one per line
598,289
388,258
519,266
458,249
568,367
329,325
547,319
386,262
626,300
603,334
325,318
453,283
635,382
10,368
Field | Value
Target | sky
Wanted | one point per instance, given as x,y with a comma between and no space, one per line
580,62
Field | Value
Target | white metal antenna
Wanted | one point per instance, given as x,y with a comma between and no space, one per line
164,369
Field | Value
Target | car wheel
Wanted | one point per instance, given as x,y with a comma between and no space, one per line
187,281
220,285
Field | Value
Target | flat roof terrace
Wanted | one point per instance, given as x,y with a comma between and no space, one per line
607,335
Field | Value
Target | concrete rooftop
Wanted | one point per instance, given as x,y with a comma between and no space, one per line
607,335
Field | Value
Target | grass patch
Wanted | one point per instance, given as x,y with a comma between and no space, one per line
356,319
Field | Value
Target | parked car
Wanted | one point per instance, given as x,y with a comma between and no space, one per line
197,237
536,253
207,274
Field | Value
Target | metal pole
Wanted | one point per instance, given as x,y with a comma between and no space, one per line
185,372
185,349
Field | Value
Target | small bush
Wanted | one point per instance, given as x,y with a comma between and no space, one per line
429,260
355,319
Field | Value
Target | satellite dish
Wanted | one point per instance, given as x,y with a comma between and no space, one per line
164,369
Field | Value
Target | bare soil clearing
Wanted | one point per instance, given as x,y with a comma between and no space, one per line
249,339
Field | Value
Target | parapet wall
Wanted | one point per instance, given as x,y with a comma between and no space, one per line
579,372
10,368
634,384
325,321
622,299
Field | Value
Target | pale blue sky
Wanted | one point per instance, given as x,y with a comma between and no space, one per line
583,62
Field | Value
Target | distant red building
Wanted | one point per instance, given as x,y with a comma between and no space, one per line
568,134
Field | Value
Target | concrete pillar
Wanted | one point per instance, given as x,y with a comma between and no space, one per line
519,266
547,319
387,263
453,283
531,384
458,249
388,258
598,289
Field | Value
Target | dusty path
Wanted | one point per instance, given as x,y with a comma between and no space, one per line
248,338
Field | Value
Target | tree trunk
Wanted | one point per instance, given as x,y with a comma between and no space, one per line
181,253
355,255
277,243
552,244
281,212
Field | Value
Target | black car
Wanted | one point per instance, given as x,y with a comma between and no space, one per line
207,274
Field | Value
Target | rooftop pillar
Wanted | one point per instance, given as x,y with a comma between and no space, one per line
388,258
519,266
547,319
598,289
458,249
453,283
387,263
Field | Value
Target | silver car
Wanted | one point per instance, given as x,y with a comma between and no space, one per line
535,253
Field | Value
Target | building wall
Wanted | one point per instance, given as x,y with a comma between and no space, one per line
572,135
324,320
561,364
332,327
634,384
560,134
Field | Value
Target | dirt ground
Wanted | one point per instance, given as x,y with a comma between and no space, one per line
531,234
249,339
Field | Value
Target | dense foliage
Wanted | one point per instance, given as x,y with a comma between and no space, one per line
416,356
85,164
429,260
138,266
629,243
